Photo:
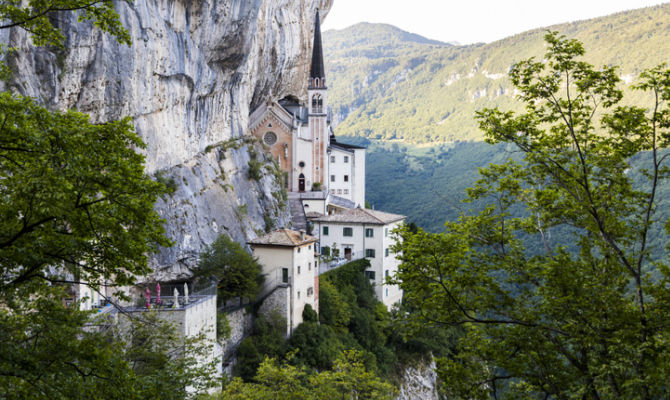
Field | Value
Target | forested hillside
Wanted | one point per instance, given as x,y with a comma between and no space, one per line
412,101
389,84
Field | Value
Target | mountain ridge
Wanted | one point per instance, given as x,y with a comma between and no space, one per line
422,93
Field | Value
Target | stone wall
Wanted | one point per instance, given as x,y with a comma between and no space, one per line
278,301
241,323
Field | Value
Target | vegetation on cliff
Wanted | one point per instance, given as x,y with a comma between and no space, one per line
350,319
77,207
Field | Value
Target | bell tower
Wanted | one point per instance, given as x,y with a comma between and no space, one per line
318,110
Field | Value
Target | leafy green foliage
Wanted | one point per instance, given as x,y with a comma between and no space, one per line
236,272
586,323
37,16
76,206
74,195
388,84
348,379
351,318
255,170
309,315
267,340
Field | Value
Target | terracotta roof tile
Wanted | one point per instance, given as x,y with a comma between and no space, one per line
282,237
362,216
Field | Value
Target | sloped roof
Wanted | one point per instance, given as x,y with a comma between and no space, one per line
282,237
344,146
362,216
341,202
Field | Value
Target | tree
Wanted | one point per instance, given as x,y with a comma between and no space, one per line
55,352
74,196
348,379
561,324
76,206
237,273
36,16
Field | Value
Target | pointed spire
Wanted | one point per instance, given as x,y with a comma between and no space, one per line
317,70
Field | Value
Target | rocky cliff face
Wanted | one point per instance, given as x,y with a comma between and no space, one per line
193,73
419,382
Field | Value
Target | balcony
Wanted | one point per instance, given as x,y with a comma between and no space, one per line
328,263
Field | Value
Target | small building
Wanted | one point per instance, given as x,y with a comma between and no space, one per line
290,269
361,233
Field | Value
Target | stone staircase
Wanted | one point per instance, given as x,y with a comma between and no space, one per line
297,213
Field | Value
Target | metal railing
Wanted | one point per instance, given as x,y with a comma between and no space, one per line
327,263
196,292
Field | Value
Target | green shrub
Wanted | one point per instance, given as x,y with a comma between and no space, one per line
167,181
255,170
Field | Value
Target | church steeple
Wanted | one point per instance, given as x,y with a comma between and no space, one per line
317,74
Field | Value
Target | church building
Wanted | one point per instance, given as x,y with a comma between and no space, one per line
299,136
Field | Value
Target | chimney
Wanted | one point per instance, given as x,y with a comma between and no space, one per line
302,235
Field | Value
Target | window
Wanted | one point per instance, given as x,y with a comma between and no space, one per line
332,191
346,178
310,291
386,273
348,232
325,251
387,292
332,159
370,274
339,191
301,164
370,253
284,275
332,178
386,232
298,249
369,232
325,231
346,159
298,293
386,252
298,269
270,138
309,266
346,191
317,103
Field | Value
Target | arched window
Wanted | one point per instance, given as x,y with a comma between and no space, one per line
317,104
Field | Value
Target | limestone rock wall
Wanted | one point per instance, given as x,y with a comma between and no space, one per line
193,73
419,382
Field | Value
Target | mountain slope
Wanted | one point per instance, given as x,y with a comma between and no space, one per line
389,84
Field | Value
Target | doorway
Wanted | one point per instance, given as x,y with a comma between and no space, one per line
301,183
347,253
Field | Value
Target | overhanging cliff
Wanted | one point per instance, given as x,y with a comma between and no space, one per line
189,80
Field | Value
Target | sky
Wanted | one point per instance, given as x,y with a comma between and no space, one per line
472,21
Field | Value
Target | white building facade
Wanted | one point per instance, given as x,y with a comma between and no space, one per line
288,261
347,172
361,233
299,136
